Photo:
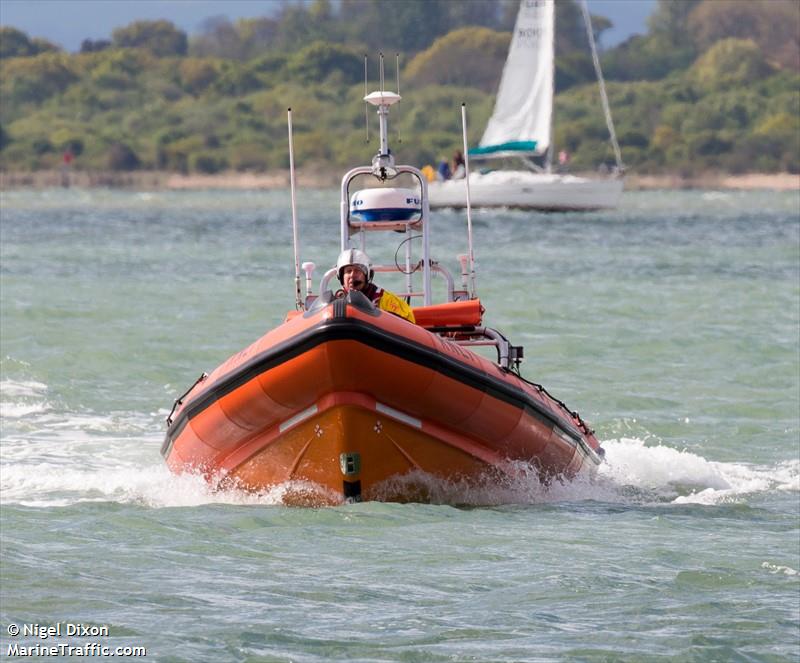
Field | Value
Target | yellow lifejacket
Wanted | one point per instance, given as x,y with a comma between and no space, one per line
393,304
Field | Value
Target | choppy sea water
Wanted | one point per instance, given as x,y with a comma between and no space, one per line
671,324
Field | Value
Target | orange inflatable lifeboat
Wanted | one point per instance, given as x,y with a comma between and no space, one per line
346,402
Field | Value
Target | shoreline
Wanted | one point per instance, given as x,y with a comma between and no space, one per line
164,181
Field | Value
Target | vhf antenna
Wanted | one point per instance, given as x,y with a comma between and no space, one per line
381,69
366,105
397,71
382,88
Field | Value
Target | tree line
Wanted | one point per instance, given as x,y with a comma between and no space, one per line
714,84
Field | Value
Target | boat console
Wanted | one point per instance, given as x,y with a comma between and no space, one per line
382,207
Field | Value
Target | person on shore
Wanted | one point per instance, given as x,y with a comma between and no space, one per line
429,173
459,167
354,270
443,172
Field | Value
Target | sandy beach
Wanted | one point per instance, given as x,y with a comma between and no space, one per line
153,180
747,181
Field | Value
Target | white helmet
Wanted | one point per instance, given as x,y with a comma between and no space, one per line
356,258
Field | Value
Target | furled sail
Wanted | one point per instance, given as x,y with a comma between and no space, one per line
521,122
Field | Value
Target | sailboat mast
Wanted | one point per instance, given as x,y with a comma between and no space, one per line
587,19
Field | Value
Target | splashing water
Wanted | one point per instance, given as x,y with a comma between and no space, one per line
685,477
53,457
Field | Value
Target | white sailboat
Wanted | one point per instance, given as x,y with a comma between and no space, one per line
521,127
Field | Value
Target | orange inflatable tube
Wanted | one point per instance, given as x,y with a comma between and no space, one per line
350,400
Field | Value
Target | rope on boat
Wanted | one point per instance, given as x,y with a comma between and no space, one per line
413,269
581,423
179,400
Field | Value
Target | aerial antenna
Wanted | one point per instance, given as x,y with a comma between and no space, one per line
366,92
298,299
471,256
381,70
397,72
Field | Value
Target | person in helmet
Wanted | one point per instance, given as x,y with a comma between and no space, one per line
355,273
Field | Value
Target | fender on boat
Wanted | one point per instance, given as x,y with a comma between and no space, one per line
450,314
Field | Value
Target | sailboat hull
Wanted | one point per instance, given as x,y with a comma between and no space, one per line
349,403
527,190
521,127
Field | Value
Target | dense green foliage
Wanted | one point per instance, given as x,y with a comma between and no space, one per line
706,88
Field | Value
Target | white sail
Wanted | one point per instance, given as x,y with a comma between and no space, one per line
521,122
521,125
